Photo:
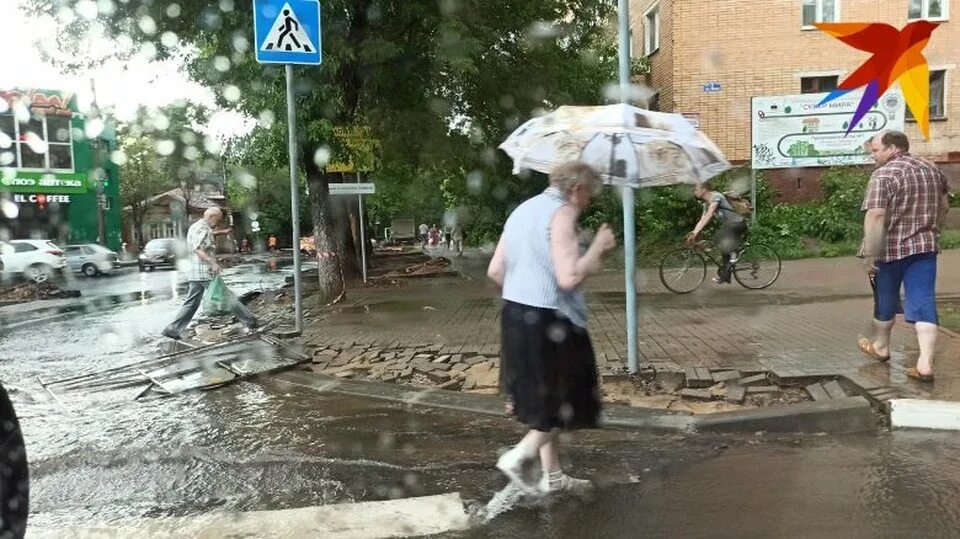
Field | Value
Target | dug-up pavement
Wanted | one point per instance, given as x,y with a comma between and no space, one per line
444,332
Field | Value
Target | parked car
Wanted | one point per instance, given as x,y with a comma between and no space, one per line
91,259
159,253
37,260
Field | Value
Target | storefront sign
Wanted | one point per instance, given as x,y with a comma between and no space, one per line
41,199
45,183
41,101
794,131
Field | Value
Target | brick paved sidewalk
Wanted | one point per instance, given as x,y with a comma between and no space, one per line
805,325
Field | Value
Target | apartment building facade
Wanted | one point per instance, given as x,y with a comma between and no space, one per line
709,58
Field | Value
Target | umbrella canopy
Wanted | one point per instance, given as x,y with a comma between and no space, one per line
626,144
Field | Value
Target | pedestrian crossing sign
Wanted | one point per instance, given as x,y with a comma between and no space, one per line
287,31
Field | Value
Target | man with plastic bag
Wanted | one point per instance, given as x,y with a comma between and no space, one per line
205,284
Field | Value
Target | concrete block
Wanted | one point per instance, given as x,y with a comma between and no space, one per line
817,392
736,394
756,379
924,414
726,376
698,377
698,394
834,390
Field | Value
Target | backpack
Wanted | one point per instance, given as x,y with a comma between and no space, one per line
741,205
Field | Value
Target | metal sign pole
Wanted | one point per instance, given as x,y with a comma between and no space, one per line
294,203
363,235
753,195
629,201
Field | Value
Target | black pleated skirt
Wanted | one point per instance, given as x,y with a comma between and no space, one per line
548,369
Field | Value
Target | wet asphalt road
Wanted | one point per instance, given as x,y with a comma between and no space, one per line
267,445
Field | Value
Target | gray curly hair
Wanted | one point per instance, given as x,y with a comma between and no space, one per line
566,176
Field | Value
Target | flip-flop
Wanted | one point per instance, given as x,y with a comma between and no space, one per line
912,372
866,346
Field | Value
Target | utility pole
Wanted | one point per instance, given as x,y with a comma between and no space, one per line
98,171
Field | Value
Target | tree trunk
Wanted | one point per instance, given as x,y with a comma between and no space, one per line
328,267
344,235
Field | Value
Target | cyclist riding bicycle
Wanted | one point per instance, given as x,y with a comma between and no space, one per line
733,227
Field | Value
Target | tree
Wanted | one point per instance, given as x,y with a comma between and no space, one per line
440,83
140,180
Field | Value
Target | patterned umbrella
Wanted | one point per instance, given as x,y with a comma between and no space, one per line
627,145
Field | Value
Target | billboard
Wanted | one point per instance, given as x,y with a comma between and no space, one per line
791,131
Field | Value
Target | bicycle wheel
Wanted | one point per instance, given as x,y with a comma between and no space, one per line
682,271
757,268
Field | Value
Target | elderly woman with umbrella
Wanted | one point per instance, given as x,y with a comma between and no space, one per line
548,365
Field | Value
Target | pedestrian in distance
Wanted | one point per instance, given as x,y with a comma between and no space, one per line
548,367
203,268
424,232
272,243
457,237
905,208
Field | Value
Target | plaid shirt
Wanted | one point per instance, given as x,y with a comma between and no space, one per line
200,236
911,191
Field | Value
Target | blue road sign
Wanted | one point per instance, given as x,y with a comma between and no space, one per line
287,31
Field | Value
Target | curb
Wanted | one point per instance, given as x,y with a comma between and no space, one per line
924,414
852,414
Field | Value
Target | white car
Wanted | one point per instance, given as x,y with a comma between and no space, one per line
91,259
37,260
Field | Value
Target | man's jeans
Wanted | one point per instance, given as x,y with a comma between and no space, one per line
192,303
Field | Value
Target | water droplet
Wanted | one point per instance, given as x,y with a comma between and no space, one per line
86,9
231,93
165,147
147,25
240,43
9,209
36,144
173,10
266,119
221,64
106,7
118,158
475,181
169,39
322,156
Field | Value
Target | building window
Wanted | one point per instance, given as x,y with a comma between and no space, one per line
938,109
928,9
820,11
651,30
43,143
816,85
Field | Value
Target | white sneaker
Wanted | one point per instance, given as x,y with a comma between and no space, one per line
515,466
561,482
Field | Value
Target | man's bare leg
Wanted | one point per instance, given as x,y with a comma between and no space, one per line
927,338
881,337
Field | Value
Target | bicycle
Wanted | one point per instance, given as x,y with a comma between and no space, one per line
683,270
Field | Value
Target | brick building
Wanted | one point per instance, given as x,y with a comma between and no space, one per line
710,57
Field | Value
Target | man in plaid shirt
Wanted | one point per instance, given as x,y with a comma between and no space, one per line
906,205
203,267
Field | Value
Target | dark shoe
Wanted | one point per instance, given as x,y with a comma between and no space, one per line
172,334
912,372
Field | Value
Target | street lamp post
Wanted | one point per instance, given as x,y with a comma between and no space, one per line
629,200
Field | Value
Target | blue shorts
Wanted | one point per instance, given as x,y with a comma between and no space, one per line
918,276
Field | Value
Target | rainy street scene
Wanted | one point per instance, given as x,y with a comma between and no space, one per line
459,269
